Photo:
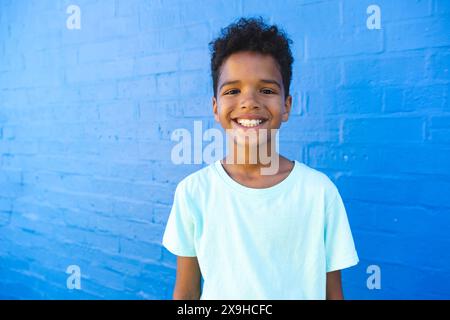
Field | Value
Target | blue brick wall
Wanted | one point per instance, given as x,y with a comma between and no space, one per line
86,116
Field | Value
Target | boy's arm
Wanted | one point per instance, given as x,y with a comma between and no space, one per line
188,281
334,286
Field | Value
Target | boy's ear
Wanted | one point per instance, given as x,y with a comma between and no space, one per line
287,108
215,111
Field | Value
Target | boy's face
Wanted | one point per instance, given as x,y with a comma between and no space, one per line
250,96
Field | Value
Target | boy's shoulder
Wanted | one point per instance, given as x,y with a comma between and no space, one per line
314,177
318,183
197,179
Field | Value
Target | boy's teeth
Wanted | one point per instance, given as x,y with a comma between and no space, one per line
249,122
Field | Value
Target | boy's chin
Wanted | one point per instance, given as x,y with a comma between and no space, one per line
244,142
252,138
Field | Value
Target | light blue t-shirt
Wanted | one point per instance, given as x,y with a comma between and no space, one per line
270,243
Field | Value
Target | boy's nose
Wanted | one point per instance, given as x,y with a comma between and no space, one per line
249,101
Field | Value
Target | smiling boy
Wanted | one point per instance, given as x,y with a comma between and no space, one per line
251,235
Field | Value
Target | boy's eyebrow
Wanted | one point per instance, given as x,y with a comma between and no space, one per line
272,82
226,83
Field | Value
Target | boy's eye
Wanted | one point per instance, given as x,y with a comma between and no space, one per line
267,91
232,91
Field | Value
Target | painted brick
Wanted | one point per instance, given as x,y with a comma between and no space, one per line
395,70
418,34
383,130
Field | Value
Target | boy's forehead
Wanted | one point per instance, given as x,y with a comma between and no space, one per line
249,65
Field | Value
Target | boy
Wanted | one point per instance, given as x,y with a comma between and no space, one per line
283,235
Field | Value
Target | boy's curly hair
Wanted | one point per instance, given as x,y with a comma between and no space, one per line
252,34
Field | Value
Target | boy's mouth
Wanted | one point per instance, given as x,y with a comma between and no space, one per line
249,123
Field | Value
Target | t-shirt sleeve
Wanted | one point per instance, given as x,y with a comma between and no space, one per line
339,245
178,236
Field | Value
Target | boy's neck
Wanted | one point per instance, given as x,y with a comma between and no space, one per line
276,164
